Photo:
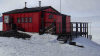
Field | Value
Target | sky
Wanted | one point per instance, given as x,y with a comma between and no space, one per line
75,8
79,10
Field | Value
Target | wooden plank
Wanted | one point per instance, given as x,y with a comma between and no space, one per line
83,29
80,29
87,30
76,29
71,28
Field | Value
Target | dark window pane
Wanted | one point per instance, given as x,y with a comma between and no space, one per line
26,20
6,19
22,20
30,19
50,16
18,20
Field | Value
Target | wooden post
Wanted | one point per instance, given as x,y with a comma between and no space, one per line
60,28
87,30
54,25
80,29
83,30
76,29
42,25
71,28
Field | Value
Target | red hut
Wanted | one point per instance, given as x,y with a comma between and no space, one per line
37,19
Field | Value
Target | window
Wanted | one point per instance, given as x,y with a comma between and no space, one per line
30,19
26,19
22,19
50,16
18,20
6,19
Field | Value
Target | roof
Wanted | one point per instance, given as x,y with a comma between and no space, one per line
25,10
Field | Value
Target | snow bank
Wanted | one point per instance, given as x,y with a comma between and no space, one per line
86,42
46,45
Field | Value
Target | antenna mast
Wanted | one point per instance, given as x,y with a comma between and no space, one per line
60,6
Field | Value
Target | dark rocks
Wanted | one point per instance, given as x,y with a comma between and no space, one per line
64,38
14,34
80,46
72,43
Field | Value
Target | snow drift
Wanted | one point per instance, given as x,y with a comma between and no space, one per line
46,45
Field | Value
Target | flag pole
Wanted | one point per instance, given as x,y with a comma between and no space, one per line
60,6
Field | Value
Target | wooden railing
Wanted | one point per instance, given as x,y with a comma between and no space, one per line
79,29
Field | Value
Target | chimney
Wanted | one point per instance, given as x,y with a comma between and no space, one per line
39,3
25,5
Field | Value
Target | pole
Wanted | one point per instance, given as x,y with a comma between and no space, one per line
60,6
90,28
25,4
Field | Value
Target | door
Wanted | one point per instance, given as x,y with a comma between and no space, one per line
63,24
42,26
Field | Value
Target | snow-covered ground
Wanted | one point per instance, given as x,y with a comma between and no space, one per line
46,45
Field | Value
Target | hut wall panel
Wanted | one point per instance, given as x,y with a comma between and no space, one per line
68,29
35,21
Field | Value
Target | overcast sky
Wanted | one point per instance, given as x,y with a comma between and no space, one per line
75,8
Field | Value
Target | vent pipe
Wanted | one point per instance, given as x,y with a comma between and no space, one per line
39,3
25,5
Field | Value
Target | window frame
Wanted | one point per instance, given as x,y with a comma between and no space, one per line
18,20
22,20
50,16
30,20
26,19
6,19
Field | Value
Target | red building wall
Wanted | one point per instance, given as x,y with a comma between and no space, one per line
29,27
68,25
56,17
